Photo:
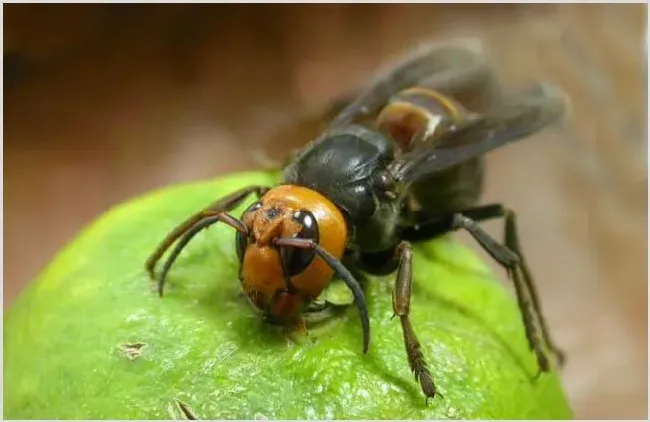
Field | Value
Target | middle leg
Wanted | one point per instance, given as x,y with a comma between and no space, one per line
401,309
508,255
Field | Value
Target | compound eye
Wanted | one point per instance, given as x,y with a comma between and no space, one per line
242,242
295,260
241,239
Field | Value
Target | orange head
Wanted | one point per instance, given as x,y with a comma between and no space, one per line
280,269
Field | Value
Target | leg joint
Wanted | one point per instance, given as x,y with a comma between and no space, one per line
459,221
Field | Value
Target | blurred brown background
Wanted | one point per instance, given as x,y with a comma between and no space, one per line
103,102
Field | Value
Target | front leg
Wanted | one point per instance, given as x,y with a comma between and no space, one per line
317,307
401,308
222,205
318,313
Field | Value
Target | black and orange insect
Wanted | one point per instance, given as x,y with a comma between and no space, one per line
401,163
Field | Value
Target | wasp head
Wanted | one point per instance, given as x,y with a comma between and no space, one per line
280,279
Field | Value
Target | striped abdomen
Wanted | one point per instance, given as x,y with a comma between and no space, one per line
418,111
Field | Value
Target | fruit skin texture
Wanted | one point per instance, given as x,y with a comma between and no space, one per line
208,348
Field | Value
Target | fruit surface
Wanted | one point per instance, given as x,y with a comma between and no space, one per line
90,339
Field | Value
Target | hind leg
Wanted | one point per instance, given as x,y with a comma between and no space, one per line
509,255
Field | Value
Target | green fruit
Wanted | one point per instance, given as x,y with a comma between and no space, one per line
72,339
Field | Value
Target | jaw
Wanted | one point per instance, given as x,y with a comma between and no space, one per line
285,306
264,284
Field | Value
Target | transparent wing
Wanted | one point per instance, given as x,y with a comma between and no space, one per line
516,119
442,67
